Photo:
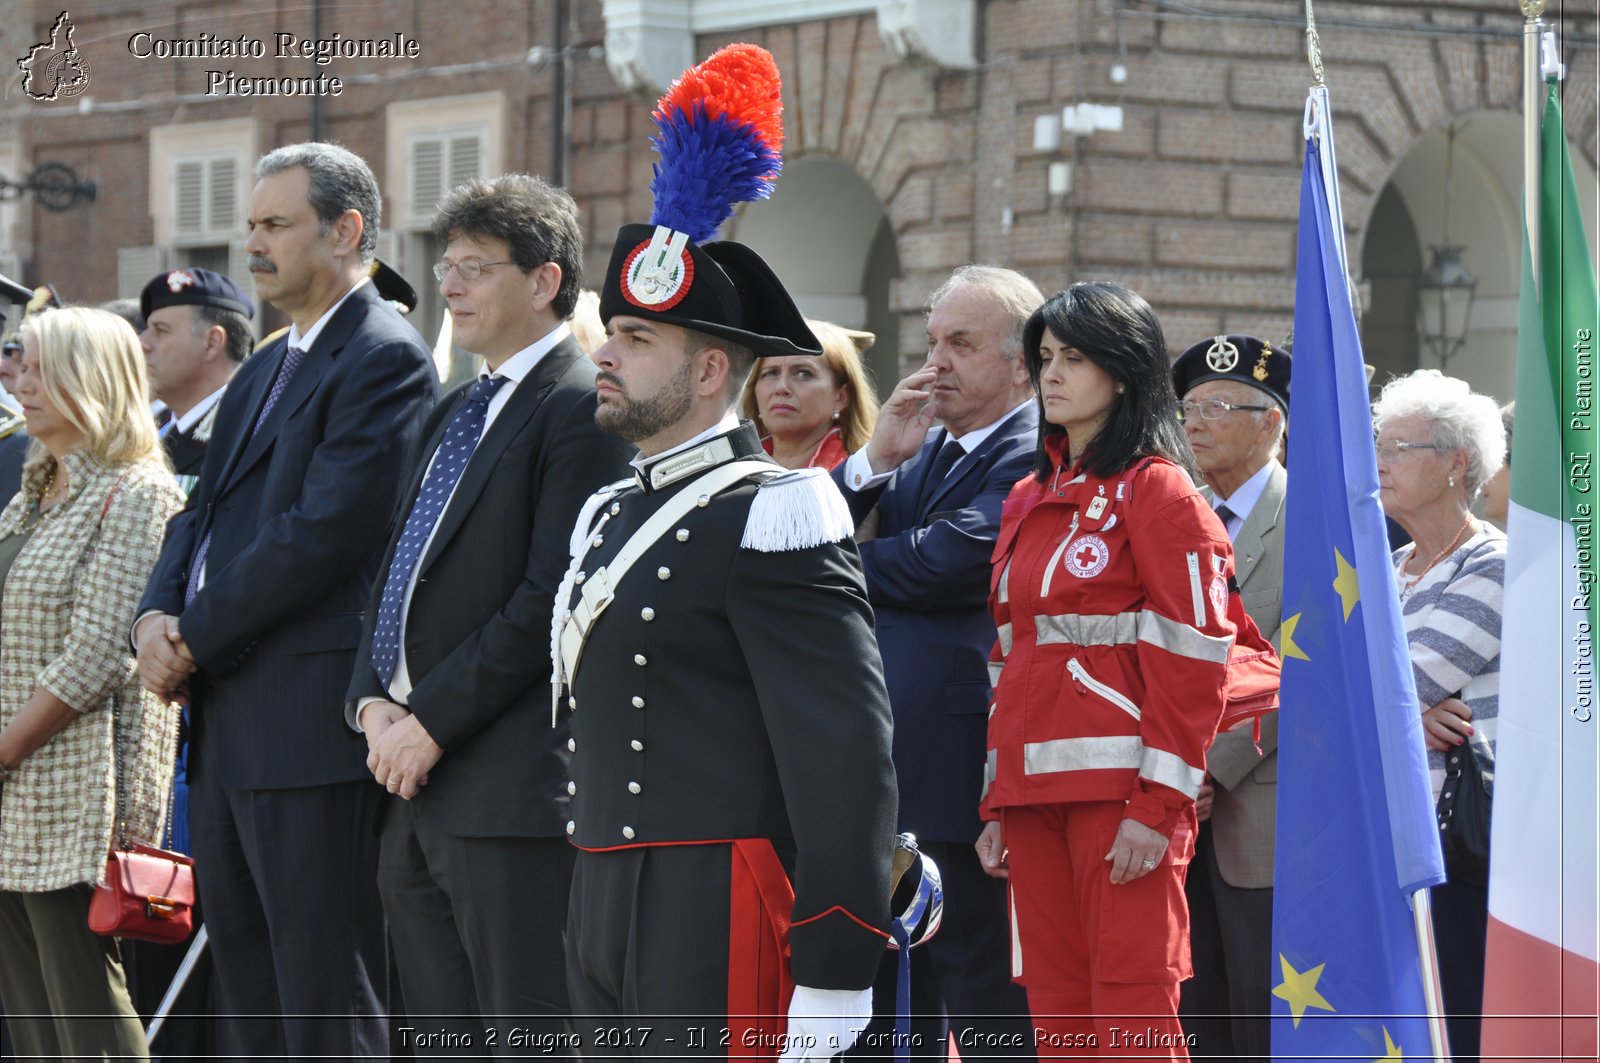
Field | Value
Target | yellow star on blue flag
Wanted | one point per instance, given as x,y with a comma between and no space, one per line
1345,583
1299,989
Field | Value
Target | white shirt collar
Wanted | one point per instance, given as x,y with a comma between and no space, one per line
519,365
305,342
729,422
971,440
1242,501
192,418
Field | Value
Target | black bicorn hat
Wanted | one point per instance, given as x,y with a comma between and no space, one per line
720,138
391,286
194,287
1239,357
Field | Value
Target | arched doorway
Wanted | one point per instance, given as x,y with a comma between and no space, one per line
826,235
1485,219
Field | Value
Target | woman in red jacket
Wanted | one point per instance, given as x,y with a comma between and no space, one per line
1110,594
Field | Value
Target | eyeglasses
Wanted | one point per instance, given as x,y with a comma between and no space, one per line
468,269
1212,409
1394,448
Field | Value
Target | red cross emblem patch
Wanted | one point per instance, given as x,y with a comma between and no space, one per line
1087,556
178,280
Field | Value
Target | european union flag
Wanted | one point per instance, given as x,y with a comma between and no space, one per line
1356,834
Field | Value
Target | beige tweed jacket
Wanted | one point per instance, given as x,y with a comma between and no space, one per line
64,619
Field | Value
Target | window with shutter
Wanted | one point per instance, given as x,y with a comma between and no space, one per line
438,162
205,194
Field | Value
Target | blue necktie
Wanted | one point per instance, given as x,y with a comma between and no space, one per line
291,361
950,453
449,462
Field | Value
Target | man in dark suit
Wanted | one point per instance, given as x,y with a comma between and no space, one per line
938,494
197,334
255,608
450,685
1235,395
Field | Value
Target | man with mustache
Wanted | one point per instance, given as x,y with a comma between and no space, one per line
254,611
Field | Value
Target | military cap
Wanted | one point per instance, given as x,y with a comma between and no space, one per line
194,287
391,286
720,139
1245,359
12,293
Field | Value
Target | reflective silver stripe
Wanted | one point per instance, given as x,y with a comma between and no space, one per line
1169,769
1081,754
1087,629
1197,593
1055,558
990,765
1182,639
994,673
1005,583
1016,936
1004,631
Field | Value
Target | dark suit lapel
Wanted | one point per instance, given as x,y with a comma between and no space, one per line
519,410
239,434
969,464
304,383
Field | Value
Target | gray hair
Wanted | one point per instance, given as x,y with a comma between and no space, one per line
1462,419
340,181
1016,294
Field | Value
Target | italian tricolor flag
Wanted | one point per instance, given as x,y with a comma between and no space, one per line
1541,986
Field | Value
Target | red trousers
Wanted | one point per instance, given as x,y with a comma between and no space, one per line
1101,963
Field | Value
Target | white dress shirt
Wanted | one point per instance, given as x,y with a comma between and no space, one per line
1242,501
858,474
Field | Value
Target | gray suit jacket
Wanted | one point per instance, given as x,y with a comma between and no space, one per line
1244,818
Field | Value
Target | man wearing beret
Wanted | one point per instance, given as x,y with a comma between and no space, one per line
1234,394
197,333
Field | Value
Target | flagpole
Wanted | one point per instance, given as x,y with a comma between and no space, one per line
1532,97
1318,121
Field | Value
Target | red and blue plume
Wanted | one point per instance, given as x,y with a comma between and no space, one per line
720,140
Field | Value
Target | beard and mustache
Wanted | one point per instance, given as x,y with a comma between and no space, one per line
639,419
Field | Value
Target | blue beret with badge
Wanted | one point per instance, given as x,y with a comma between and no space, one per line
1237,357
194,287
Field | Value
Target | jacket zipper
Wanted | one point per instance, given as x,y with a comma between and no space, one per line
1197,594
1111,694
1055,558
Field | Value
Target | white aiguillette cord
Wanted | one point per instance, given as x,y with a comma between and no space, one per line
600,588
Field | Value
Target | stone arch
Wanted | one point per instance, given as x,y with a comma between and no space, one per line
829,238
1484,218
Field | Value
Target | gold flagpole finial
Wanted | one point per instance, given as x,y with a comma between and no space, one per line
1314,46
1531,9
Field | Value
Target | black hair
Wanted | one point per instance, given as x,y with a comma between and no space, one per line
537,221
1118,331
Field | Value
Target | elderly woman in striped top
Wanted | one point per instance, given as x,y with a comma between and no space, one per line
1438,443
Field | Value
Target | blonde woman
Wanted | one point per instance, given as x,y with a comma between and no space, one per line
810,410
77,543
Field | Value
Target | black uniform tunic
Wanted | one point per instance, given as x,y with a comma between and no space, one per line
728,692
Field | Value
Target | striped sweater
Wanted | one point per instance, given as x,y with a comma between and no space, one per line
1452,619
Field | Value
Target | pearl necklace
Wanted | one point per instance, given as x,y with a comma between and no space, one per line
1411,581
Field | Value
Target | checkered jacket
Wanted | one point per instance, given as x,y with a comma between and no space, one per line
64,616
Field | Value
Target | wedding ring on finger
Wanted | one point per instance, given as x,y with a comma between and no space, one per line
1148,864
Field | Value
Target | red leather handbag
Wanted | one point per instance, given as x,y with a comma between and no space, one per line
148,896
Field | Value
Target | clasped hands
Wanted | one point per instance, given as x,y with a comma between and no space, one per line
165,663
400,752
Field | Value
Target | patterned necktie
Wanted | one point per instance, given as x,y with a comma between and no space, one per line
939,468
450,461
291,361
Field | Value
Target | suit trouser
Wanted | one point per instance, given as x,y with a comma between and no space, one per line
1101,962
649,962
479,931
288,879
961,979
66,979
1231,933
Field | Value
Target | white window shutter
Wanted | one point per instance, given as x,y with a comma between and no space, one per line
223,195
188,190
135,267
427,175
466,158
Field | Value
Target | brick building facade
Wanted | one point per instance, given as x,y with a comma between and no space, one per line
913,141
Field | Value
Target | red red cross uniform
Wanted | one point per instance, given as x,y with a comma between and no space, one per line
1110,596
